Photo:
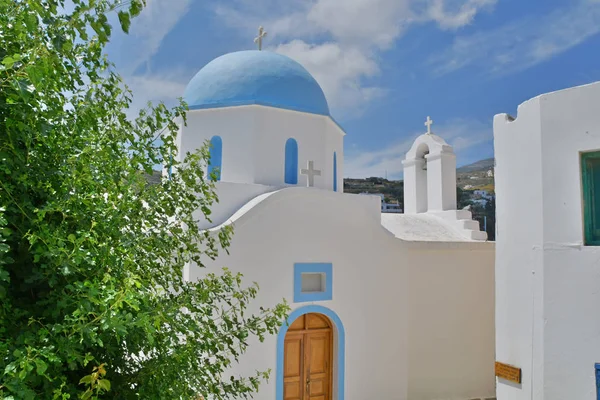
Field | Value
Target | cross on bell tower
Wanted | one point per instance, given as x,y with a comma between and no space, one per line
428,124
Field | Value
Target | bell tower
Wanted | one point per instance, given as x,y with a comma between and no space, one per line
430,183
429,175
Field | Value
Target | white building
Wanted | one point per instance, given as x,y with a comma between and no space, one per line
483,194
385,206
385,306
480,202
547,259
390,208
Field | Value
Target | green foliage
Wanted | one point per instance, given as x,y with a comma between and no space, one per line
393,190
93,303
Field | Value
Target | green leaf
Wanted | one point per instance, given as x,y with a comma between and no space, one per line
87,394
104,384
124,20
8,61
41,366
10,369
88,379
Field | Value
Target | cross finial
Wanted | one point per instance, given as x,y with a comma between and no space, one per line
428,124
311,172
261,34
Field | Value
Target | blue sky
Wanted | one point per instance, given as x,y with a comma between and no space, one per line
385,65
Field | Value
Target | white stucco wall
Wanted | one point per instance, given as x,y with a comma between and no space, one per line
254,140
410,315
518,200
546,280
305,225
236,128
231,197
451,322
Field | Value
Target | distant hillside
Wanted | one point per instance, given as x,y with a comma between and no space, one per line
469,177
393,190
475,176
483,165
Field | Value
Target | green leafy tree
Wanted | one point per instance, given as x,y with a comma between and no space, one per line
93,303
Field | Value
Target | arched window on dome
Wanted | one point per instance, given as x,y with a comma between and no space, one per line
334,171
216,156
291,162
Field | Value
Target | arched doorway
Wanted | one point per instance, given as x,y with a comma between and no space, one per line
308,358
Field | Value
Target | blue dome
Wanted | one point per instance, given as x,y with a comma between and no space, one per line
255,77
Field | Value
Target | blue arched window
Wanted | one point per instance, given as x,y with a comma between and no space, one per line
216,156
291,162
334,171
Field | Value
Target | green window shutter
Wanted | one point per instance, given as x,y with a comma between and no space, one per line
590,163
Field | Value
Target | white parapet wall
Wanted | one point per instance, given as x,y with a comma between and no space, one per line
547,280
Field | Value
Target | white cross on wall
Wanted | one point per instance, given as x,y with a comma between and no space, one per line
261,34
311,172
428,124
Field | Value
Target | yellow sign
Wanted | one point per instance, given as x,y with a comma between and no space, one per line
508,372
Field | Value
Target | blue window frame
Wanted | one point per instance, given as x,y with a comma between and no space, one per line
291,162
313,282
334,171
597,367
216,157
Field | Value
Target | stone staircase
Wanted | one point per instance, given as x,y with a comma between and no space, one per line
463,221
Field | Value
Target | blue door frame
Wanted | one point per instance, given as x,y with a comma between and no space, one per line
340,346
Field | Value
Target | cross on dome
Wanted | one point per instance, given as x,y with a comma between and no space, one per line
311,172
261,34
428,124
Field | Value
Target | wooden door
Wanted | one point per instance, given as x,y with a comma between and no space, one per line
293,366
307,371
317,367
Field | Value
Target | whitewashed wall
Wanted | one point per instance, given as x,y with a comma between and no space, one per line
546,281
232,196
451,321
381,286
518,244
303,225
254,140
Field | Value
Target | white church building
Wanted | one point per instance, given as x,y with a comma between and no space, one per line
413,306
384,306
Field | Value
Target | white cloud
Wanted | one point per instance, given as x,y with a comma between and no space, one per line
463,135
522,43
132,53
155,88
338,70
339,41
368,22
456,14
147,32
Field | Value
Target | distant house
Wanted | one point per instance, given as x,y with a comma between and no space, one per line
484,194
481,202
490,173
386,207
390,208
